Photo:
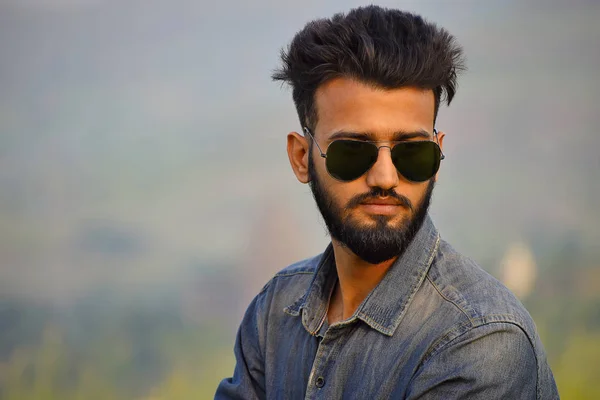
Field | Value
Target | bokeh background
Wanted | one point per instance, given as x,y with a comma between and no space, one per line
146,196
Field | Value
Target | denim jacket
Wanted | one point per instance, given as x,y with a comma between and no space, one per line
436,327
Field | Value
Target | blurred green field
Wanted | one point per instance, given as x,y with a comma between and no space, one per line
119,348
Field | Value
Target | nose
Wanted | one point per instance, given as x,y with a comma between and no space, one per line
383,173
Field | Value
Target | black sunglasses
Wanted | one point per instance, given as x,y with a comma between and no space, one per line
348,159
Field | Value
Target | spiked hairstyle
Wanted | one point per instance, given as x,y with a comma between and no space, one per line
383,47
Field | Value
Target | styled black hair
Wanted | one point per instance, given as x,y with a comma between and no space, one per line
383,47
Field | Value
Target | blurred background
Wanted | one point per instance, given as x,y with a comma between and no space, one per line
146,196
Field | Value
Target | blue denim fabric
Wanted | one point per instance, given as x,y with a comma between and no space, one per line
436,327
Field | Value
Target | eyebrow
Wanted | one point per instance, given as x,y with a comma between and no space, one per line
398,136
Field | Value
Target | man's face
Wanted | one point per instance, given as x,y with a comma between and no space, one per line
377,215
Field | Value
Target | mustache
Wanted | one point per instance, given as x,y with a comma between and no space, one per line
377,193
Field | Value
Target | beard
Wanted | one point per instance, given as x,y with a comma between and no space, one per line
373,243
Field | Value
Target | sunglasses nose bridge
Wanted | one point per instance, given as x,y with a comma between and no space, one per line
383,172
379,151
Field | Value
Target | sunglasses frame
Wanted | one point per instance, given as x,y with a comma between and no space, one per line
324,155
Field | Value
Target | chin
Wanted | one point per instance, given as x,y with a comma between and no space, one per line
371,220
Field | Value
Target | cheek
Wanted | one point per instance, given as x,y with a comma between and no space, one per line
415,193
342,192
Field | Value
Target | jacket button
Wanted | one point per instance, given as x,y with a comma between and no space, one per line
320,382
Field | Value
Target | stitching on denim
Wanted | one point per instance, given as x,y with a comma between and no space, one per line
444,341
389,331
294,273
324,259
453,333
375,325
260,298
436,276
437,289
417,284
306,266
439,346
260,347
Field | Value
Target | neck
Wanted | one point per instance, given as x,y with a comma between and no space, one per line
356,279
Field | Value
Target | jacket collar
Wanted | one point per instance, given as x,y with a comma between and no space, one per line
387,303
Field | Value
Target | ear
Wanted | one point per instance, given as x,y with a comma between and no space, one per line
297,149
440,140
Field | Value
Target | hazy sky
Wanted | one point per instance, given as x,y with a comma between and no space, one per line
139,136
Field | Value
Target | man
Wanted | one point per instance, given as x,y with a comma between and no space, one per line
389,310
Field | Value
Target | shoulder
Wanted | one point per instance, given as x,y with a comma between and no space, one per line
290,283
307,266
300,270
483,317
473,300
490,361
282,290
481,297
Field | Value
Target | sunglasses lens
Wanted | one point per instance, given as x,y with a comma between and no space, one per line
349,159
417,161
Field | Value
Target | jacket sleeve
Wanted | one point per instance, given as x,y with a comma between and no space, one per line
248,381
491,361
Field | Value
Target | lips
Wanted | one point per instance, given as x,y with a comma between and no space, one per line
381,206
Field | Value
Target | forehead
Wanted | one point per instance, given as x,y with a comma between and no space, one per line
344,104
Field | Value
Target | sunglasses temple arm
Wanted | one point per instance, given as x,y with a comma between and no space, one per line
306,130
435,133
